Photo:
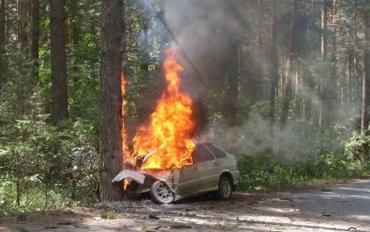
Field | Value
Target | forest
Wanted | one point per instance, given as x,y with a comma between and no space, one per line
283,85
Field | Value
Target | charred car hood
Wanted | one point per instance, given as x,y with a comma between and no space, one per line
140,176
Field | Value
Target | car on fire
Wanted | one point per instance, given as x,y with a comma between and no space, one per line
213,170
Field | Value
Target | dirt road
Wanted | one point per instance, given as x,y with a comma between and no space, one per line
341,208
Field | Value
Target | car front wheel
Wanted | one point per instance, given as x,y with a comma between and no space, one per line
225,188
161,193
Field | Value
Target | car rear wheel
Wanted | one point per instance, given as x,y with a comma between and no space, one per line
161,193
225,188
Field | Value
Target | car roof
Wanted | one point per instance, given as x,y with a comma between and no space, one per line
200,144
212,144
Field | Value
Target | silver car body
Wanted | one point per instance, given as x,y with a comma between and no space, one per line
210,163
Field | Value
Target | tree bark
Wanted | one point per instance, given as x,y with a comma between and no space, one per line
111,144
35,36
58,62
365,80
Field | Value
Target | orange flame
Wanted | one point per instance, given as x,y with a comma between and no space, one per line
125,149
125,185
168,132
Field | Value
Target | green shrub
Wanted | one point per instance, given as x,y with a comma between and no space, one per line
269,170
59,166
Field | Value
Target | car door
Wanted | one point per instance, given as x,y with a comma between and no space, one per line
219,164
188,179
206,166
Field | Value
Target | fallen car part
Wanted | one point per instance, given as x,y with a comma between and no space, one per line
129,175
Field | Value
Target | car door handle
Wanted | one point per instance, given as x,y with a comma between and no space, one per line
216,163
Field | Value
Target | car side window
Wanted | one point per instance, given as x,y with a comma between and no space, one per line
201,154
216,151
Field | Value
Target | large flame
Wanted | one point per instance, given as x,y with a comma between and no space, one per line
167,134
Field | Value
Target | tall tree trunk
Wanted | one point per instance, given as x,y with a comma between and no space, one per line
350,58
309,86
274,72
2,25
290,66
324,54
74,34
365,80
35,36
259,23
350,97
232,72
256,70
298,101
58,62
22,10
111,144
2,40
333,82
74,23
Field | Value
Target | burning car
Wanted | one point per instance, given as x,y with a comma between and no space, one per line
162,157
213,170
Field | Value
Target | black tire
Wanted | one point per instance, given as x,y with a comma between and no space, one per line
225,188
161,193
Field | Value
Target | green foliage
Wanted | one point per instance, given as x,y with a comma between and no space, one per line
42,166
268,170
47,166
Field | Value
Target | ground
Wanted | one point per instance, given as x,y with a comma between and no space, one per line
340,207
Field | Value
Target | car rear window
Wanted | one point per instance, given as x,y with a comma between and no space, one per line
201,154
216,151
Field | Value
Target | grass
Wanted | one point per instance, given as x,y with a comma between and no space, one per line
109,214
21,229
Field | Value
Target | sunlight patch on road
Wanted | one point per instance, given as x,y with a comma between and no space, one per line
278,210
259,222
365,218
359,190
